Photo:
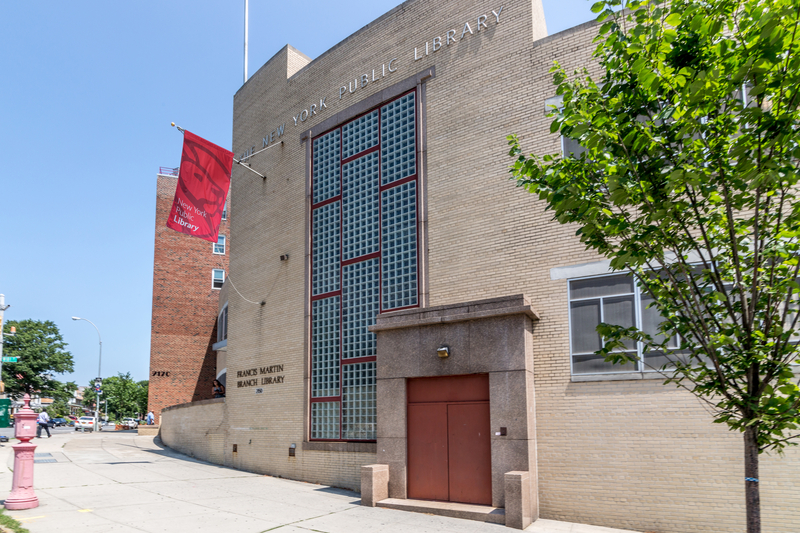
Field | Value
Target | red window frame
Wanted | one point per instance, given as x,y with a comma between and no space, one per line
366,257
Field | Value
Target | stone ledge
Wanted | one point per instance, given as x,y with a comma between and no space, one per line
517,304
148,430
363,447
480,513
193,404
621,376
462,317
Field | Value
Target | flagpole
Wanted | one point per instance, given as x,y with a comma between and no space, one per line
246,16
237,161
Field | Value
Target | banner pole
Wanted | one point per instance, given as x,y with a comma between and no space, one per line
245,165
237,161
267,148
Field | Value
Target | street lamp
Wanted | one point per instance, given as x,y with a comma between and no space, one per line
3,307
99,375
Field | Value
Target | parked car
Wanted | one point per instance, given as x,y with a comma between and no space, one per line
130,422
85,423
58,421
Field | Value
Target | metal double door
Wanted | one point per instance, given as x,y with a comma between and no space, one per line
449,445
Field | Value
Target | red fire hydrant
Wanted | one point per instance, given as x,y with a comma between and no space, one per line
22,495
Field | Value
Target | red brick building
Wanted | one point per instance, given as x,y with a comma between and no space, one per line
187,275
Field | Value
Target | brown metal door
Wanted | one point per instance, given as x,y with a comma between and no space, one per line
427,444
469,453
449,448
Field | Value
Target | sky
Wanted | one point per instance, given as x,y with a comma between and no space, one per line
87,93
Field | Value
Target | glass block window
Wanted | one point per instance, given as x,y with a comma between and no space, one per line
325,347
325,420
360,291
326,166
399,239
398,140
616,300
358,401
360,204
364,258
326,249
360,134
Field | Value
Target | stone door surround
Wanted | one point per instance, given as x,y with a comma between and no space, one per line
494,337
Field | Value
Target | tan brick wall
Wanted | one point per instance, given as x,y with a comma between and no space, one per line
631,454
196,429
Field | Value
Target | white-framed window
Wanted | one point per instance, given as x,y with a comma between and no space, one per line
571,148
219,246
217,278
222,324
613,299
225,212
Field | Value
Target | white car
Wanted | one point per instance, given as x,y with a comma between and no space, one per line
130,422
84,423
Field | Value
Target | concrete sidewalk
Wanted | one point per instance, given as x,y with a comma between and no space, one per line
121,482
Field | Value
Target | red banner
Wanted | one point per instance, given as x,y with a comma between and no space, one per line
203,183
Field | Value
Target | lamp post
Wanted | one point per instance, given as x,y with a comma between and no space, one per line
3,307
99,375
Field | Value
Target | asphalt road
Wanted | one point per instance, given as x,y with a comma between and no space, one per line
9,432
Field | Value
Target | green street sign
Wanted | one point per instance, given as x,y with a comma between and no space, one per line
9,359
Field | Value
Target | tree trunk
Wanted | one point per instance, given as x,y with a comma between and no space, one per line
752,497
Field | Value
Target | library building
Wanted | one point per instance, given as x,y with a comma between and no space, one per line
399,319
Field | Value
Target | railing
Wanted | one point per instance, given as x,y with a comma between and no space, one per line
167,171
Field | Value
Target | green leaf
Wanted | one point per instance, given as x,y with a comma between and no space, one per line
674,19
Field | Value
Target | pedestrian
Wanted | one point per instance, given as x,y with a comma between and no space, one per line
218,389
41,422
150,418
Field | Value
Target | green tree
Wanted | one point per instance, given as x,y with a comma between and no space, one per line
126,397
689,181
41,353
143,394
58,408
61,397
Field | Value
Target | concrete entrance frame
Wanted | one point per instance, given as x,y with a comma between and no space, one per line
494,337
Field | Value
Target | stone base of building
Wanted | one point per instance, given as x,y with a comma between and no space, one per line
150,431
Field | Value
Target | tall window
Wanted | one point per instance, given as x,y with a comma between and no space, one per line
217,278
225,212
615,300
219,246
364,258
222,324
